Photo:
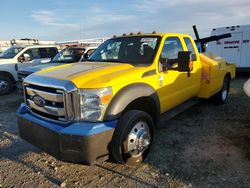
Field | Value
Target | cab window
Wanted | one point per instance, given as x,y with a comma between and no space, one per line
33,53
169,55
190,48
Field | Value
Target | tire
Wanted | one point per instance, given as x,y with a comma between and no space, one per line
6,85
222,96
132,137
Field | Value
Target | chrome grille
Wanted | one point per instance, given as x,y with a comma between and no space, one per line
54,106
60,98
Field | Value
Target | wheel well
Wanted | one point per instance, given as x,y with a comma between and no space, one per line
146,104
228,75
8,75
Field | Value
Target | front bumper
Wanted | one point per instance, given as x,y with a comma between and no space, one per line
79,142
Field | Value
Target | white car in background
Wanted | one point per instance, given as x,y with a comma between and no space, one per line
17,57
65,56
246,87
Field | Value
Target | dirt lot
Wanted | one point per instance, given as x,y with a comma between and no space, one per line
205,146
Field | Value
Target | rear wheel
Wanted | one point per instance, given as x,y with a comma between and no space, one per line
222,96
6,85
132,137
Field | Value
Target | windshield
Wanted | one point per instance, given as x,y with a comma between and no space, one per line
135,50
10,52
69,55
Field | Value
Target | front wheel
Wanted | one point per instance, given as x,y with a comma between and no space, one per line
132,137
6,85
222,96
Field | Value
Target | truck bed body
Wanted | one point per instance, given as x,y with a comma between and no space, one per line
214,69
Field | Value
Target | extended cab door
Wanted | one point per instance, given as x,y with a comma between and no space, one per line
195,75
176,87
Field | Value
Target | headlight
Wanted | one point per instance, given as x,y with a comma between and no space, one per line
93,103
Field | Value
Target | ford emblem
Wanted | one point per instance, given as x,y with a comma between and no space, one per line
39,101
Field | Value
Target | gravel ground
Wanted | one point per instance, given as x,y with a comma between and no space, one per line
205,146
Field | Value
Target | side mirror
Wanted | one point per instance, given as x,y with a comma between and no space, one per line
167,63
47,60
26,57
184,62
163,62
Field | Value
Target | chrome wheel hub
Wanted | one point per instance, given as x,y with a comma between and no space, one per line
138,139
3,85
224,95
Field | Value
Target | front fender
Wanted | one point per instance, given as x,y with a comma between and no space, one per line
11,72
127,95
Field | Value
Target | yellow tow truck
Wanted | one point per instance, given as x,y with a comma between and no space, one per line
110,105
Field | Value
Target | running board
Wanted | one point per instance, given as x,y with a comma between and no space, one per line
175,111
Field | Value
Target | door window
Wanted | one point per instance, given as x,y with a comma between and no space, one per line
169,55
48,52
171,48
33,53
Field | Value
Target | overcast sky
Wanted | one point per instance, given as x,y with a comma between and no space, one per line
74,19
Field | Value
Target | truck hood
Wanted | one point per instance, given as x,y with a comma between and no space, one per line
94,74
5,61
36,68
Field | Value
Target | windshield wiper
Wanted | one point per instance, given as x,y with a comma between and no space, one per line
92,60
115,61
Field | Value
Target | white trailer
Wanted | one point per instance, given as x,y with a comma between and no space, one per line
235,49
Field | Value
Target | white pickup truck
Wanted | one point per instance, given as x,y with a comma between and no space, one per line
65,56
17,57
246,87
